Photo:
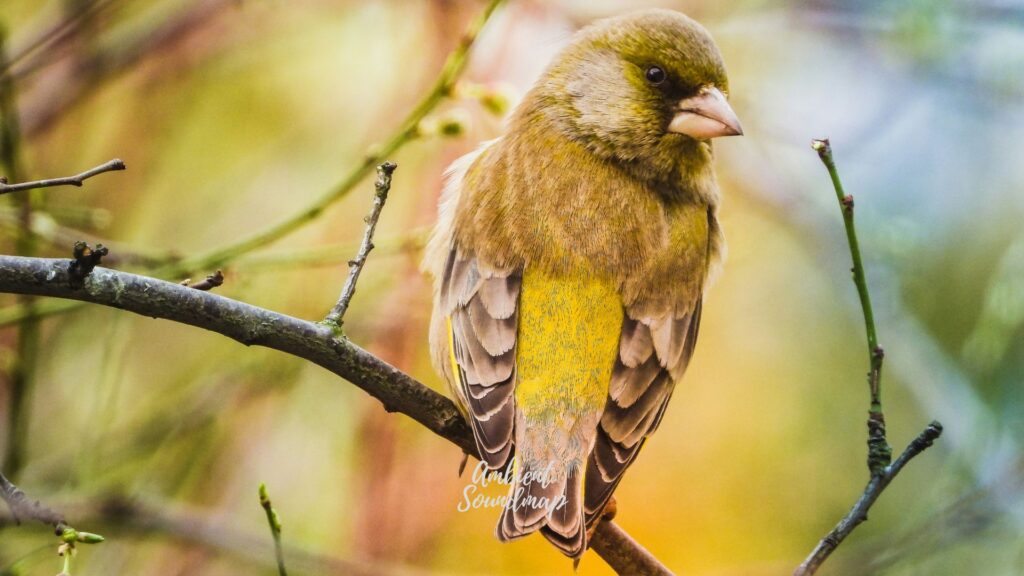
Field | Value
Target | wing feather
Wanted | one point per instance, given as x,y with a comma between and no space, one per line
653,354
482,306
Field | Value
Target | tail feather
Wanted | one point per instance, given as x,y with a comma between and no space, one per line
556,510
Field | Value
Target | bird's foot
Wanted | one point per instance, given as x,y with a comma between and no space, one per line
608,514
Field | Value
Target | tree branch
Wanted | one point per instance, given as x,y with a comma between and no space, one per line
355,267
879,450
407,131
859,512
22,507
75,180
443,86
141,519
251,325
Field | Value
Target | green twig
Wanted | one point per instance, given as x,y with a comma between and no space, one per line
15,314
332,254
880,463
407,131
275,528
879,450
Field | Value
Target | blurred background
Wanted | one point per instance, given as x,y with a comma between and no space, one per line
233,115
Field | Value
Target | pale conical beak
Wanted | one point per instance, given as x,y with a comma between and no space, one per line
705,116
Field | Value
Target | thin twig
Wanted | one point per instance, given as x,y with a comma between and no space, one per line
57,32
135,519
212,281
355,267
407,131
880,464
879,450
21,507
275,528
75,180
859,512
454,65
623,553
333,254
250,325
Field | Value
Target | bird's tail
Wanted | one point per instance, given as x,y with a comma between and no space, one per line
548,499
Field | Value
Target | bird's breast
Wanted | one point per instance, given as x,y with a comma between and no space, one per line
569,326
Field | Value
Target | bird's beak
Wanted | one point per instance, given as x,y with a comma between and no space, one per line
705,116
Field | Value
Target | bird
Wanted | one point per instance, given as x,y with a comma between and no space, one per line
570,259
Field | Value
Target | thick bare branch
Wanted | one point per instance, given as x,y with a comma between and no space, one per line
251,325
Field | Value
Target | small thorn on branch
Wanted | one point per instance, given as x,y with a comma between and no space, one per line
383,185
847,203
212,281
85,260
76,180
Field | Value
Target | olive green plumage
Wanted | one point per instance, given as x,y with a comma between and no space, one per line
570,259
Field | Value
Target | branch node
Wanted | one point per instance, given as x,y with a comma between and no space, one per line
879,451
85,260
823,147
847,203
212,281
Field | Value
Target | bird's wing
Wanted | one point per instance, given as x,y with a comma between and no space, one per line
481,305
653,354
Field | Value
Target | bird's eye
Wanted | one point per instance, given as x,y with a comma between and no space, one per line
655,75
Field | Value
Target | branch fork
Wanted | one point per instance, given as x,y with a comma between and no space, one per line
879,459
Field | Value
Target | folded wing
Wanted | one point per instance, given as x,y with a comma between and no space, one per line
653,354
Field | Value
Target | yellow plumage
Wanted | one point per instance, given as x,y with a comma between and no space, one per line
565,323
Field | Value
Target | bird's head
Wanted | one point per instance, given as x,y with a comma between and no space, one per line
647,89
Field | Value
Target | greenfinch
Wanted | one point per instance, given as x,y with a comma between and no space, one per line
570,258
